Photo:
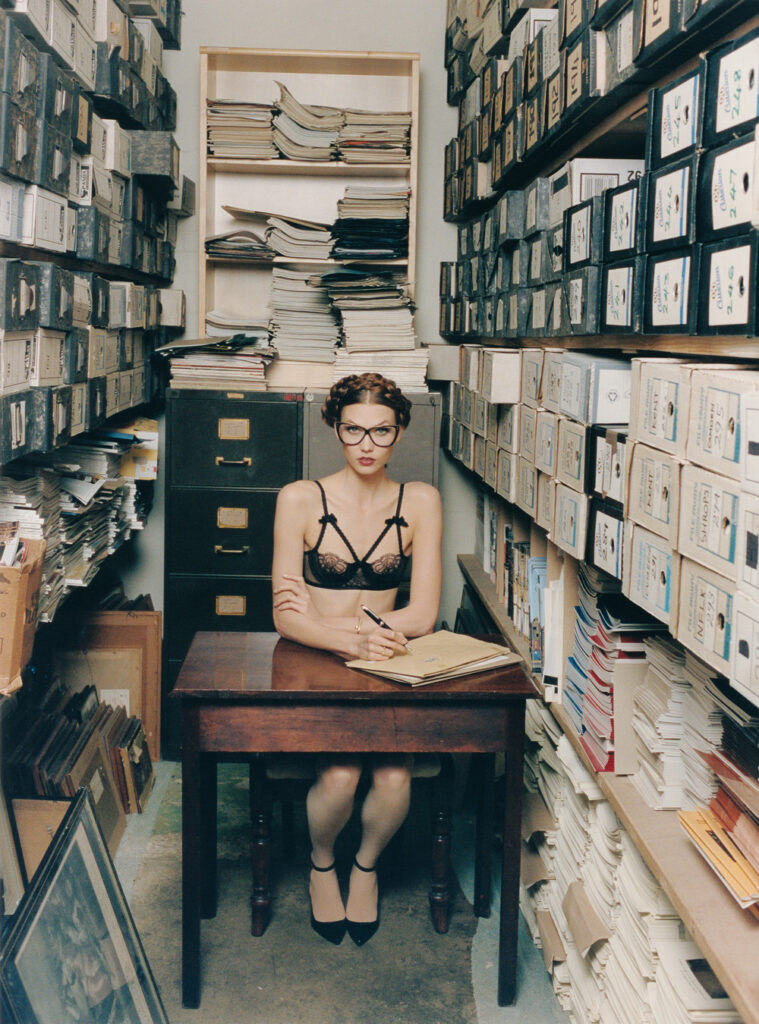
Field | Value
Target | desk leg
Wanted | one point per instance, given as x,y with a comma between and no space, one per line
484,768
191,858
208,816
512,819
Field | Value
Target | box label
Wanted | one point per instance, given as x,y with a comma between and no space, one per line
709,615
732,186
671,205
713,520
738,88
717,431
660,410
729,286
579,235
619,282
679,117
539,309
670,287
622,230
575,300
607,544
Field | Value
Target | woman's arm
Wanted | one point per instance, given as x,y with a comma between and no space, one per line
295,617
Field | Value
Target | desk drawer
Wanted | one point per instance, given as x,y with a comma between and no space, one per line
222,442
219,603
220,531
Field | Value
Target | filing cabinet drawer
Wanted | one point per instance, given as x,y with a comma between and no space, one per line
220,531
216,603
223,442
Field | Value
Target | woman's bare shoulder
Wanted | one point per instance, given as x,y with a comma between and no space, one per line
298,495
421,496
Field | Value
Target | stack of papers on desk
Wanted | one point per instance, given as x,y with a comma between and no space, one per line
375,136
439,656
305,131
304,327
240,129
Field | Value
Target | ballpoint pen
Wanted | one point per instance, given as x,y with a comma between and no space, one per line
375,618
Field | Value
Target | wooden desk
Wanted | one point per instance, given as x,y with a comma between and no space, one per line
247,693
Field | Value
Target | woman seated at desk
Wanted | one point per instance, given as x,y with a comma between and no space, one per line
320,584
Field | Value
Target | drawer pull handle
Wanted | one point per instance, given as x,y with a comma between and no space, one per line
221,461
218,549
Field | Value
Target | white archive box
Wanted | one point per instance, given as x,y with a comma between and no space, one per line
744,672
749,443
709,518
651,573
48,357
469,374
608,541
551,395
707,607
570,521
747,557
546,507
44,219
532,374
595,389
653,492
527,486
546,437
15,360
715,417
500,375
506,482
508,427
573,455
660,403
528,423
610,476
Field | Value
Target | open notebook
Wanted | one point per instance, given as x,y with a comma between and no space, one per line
439,656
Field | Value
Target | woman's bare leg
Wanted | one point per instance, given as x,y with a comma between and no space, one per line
384,811
328,806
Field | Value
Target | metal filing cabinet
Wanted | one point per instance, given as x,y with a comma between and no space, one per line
227,455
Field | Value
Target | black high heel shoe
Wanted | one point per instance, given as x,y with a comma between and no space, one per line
332,931
362,931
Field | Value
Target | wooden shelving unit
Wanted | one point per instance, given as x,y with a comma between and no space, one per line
309,189
727,936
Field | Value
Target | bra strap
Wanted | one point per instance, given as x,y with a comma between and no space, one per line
330,517
399,520
324,519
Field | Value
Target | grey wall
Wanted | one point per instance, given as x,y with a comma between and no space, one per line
395,25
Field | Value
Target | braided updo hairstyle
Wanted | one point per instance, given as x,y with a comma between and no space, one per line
366,387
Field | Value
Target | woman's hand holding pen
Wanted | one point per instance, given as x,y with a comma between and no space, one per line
380,644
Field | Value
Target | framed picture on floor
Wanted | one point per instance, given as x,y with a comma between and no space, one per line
72,952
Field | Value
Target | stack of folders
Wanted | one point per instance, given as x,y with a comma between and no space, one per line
372,223
239,129
702,733
658,725
304,327
686,989
616,668
31,498
305,131
375,136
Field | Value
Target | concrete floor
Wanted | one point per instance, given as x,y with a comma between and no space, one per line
536,1003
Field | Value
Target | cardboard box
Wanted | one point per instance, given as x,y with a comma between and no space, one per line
609,455
573,460
546,438
709,518
606,538
44,219
706,619
500,375
660,404
546,506
48,358
715,417
570,525
19,599
744,669
595,389
653,494
651,573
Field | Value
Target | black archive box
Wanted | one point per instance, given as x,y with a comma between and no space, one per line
728,292
605,536
96,391
537,315
573,19
538,264
76,349
670,301
92,234
484,122
56,296
100,295
509,217
582,292
730,94
81,120
602,11
516,313
533,120
19,64
608,454
625,219
671,205
533,66
50,424
584,73
622,285
155,155
554,103
55,100
512,86
15,417
727,190
659,24
520,264
675,118
583,233
19,295
555,243
447,280
623,76
536,215
512,141
17,133
52,159
701,14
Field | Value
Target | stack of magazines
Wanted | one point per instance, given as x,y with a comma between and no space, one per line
218,362
303,324
374,136
375,310
407,368
305,132
298,239
239,129
372,223
240,244
222,324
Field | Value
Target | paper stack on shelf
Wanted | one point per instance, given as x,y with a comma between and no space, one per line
222,324
372,223
240,129
702,732
241,244
305,131
297,240
303,324
375,136
407,368
686,990
219,362
658,725
375,311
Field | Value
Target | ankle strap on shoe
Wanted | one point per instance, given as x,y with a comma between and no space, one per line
330,868
362,868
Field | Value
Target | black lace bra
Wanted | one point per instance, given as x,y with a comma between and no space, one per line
331,572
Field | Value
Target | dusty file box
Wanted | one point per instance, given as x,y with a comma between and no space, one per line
651,573
15,360
156,155
546,439
93,234
744,670
653,496
670,299
76,355
546,506
55,101
15,411
675,118
17,134
62,34
527,486
536,216
11,209
19,295
19,63
570,525
582,293
52,159
709,517
606,537
56,296
716,417
705,622
595,389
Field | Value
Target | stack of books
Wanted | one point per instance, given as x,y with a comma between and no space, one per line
303,325
372,223
592,583
305,131
686,988
374,136
238,129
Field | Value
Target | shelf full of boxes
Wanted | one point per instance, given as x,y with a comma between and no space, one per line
593,215
89,174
